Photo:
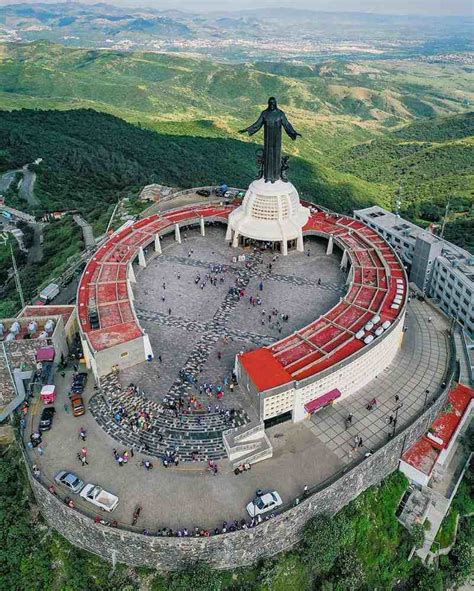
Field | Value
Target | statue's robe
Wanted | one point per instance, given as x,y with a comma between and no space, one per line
272,121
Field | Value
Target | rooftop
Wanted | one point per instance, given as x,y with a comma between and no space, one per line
454,255
47,311
424,454
103,286
378,276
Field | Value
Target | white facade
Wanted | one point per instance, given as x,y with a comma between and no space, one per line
442,270
270,212
348,377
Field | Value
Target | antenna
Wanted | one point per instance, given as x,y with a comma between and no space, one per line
17,278
446,211
398,200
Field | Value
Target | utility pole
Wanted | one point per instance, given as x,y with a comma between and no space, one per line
444,219
17,278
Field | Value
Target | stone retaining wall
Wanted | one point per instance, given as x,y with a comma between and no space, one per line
241,547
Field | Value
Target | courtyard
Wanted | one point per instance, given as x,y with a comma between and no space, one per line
201,334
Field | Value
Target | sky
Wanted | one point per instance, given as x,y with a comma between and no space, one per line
427,7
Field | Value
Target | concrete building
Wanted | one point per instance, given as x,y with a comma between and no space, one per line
37,327
440,269
346,348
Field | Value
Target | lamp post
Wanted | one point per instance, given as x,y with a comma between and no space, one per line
395,420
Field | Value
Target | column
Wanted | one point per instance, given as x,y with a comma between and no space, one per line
141,257
131,273
344,260
235,241
177,234
284,247
203,231
330,245
228,232
157,244
299,242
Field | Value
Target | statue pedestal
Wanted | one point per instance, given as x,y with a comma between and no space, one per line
270,212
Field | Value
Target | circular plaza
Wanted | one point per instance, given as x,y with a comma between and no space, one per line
203,305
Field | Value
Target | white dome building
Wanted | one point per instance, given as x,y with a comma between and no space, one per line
270,212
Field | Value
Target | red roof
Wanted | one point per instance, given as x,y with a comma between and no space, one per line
322,400
330,338
42,310
422,456
265,371
103,284
447,422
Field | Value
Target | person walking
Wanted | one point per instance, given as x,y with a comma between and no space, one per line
348,420
82,434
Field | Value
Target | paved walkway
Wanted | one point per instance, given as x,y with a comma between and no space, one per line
419,366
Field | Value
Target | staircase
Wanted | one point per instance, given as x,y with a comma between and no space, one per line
247,444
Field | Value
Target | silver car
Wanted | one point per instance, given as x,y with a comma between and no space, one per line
70,481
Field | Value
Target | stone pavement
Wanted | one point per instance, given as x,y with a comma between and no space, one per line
186,496
187,325
307,453
420,365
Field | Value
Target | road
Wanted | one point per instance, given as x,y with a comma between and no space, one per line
35,252
27,186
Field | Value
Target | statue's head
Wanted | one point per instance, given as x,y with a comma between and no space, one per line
272,103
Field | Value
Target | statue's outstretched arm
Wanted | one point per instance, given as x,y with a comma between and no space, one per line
251,129
290,130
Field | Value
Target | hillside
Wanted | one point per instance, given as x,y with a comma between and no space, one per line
335,105
90,159
368,127
427,164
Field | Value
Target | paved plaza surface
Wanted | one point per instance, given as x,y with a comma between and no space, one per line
188,328
304,454
415,376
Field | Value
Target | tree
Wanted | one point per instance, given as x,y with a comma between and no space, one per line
197,577
323,538
349,572
424,578
461,565
418,535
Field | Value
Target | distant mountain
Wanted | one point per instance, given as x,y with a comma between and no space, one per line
282,33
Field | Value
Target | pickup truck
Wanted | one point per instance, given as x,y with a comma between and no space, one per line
99,497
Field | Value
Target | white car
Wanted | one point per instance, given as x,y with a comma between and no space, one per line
99,497
266,502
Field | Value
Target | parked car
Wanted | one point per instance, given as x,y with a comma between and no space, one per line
231,193
79,383
265,502
77,404
99,497
70,481
203,192
46,418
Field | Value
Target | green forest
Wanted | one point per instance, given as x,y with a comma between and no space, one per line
362,548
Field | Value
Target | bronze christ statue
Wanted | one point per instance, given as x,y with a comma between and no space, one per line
272,120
